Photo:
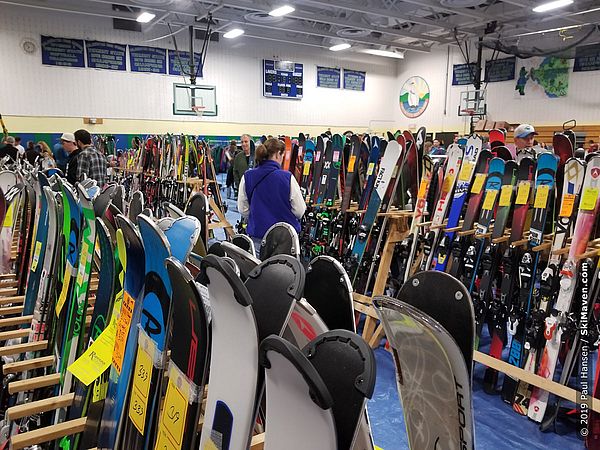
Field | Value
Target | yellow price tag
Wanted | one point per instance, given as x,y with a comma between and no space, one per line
173,416
351,162
422,189
142,375
10,216
466,171
567,204
210,445
505,195
96,359
478,183
122,332
36,256
448,183
588,199
306,169
541,196
62,298
490,199
370,168
523,193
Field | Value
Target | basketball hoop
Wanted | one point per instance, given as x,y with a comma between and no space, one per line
467,112
199,110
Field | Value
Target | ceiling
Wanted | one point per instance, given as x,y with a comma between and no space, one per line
411,25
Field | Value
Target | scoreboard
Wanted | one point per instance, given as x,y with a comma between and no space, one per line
282,79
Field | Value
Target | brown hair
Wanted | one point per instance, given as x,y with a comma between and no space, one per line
268,150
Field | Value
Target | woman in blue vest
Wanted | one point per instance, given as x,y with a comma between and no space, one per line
268,194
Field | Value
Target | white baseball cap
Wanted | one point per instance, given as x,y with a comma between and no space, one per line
69,137
524,130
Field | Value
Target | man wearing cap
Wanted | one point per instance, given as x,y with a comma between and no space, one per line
84,160
524,134
61,156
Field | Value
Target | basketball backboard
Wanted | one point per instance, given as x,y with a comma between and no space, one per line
187,96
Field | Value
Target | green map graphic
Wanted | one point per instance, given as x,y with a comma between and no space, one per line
553,76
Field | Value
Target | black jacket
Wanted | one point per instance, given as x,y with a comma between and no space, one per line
10,151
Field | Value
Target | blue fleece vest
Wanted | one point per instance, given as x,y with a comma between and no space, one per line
268,191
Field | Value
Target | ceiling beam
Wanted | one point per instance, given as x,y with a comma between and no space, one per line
373,10
297,27
302,15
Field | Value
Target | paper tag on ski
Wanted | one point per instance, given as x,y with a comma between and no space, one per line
210,445
523,193
306,169
122,332
567,204
142,375
82,266
505,195
541,196
9,217
422,189
62,298
336,156
174,414
478,183
588,199
448,182
490,199
36,256
97,358
466,170
351,162
370,168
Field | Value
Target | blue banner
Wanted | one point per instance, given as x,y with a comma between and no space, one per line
183,58
500,70
105,55
587,58
354,80
147,59
328,77
62,52
463,74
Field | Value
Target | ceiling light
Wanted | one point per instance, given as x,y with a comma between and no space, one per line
231,34
386,53
282,11
145,17
552,5
338,47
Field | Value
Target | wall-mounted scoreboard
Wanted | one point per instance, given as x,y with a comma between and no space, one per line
282,79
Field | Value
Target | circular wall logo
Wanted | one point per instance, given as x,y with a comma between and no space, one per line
414,97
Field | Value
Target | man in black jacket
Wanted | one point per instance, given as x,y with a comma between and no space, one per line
9,149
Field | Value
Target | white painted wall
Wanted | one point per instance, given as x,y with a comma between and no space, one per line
27,88
582,102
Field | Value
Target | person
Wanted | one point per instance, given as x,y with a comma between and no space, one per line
9,148
524,137
427,147
592,146
19,147
241,161
84,159
437,149
60,155
230,155
32,153
46,160
268,194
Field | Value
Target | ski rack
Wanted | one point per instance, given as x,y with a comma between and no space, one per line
373,332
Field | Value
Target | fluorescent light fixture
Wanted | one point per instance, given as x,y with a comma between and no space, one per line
232,34
549,6
386,53
145,17
338,47
549,30
282,11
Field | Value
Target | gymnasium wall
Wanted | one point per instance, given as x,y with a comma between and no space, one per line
37,98
504,103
